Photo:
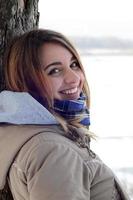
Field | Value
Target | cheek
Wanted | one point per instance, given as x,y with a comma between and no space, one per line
55,84
48,85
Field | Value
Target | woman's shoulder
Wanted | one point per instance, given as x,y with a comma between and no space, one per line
49,137
51,142
48,147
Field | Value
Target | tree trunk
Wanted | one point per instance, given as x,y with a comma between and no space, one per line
16,17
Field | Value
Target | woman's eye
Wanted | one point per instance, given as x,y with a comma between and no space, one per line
54,71
75,65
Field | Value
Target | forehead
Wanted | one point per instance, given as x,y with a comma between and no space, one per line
52,50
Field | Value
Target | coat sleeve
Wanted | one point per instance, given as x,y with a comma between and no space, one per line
57,172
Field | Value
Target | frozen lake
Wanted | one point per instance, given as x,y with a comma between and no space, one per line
111,83
117,154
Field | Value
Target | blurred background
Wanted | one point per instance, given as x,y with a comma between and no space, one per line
102,31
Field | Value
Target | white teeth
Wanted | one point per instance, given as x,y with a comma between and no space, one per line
71,91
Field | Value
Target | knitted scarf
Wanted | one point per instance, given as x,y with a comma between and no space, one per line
73,109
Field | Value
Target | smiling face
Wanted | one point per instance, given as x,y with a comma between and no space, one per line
63,72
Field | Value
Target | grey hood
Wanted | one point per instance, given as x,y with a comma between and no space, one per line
16,110
22,108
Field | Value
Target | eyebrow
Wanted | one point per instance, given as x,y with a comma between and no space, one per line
56,63
51,64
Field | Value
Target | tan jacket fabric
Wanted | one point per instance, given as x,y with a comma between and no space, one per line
45,165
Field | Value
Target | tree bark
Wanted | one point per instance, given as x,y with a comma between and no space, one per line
16,17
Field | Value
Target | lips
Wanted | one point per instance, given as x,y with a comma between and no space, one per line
70,91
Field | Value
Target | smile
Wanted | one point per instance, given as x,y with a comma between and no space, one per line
70,91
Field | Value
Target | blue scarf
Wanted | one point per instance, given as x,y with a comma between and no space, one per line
73,109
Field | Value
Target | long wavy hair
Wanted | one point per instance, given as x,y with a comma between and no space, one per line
23,67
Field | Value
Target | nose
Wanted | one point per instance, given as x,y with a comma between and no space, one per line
71,77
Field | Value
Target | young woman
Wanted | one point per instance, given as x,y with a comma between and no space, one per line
44,121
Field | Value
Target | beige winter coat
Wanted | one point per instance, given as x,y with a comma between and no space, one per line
41,163
45,165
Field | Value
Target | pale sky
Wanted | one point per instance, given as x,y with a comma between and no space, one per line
88,17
